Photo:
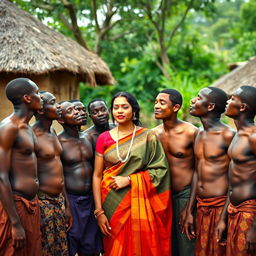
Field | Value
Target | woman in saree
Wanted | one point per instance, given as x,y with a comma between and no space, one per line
131,186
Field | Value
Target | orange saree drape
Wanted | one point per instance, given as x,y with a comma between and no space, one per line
140,215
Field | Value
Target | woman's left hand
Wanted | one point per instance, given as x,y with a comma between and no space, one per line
119,182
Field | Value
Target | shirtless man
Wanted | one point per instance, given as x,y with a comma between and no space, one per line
177,138
19,207
241,238
51,179
210,180
99,114
77,160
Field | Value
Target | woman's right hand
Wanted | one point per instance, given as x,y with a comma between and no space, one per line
104,225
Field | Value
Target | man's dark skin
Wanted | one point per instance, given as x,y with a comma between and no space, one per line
18,164
177,138
212,161
82,111
77,156
50,170
99,114
242,152
77,152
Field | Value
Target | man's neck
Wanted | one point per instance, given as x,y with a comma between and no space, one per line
211,122
71,131
170,123
43,124
101,128
22,113
243,122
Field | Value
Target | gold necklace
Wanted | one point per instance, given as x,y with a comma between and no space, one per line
130,147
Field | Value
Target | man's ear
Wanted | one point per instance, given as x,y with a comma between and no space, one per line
211,106
27,98
176,107
243,107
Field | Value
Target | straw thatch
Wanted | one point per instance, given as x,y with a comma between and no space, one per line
242,75
30,47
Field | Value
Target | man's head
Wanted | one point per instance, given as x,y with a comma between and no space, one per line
69,115
24,91
167,103
82,110
209,100
242,101
51,109
98,112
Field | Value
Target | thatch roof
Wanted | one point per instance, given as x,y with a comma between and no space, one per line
242,75
30,47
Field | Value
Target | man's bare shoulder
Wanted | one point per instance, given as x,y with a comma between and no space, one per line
8,130
228,133
187,127
158,129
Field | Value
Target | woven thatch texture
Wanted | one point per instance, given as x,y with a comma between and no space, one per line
242,75
30,47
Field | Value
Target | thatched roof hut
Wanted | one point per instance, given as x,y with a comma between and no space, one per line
244,74
56,63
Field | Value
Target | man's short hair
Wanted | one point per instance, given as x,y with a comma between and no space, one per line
175,96
94,100
219,98
17,88
248,96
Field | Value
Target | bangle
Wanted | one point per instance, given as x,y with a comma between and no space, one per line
97,210
129,178
100,212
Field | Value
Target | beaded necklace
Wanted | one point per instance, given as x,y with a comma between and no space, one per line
130,147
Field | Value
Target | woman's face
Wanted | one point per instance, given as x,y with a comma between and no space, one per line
122,110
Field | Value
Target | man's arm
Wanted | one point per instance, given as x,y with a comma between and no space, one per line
188,226
251,235
7,139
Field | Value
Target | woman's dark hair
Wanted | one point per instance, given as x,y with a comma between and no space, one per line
134,104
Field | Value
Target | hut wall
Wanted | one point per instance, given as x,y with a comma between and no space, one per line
63,85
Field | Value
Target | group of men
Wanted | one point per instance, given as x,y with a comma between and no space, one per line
213,171
46,179
46,201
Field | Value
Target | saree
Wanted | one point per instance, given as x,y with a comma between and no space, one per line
140,215
240,218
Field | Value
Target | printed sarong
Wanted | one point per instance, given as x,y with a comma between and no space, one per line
84,236
181,246
53,228
140,215
240,218
207,217
28,212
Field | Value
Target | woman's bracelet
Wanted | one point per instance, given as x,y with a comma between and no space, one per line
129,178
100,213
97,210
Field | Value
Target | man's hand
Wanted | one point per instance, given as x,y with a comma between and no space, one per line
188,227
220,232
18,236
68,218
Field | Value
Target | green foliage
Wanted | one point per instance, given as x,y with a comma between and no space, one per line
214,33
188,86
